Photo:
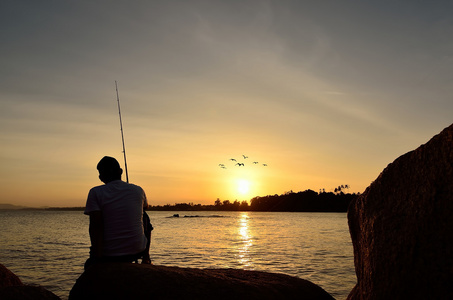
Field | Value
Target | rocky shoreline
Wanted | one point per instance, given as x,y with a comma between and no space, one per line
137,281
12,288
401,230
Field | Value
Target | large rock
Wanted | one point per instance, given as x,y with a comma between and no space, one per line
26,292
8,278
402,227
12,288
136,281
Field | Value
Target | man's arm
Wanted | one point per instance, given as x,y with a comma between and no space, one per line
96,233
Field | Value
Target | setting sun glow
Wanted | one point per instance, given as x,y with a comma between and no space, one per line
243,186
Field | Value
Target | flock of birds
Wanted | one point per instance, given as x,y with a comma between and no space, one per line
240,164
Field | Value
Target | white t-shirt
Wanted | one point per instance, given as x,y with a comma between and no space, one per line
121,204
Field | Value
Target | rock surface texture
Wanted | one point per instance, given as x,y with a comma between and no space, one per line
402,227
136,281
12,288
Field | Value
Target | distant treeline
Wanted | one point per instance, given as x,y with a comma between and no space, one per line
306,201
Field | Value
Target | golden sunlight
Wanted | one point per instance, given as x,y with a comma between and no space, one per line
246,239
243,186
241,183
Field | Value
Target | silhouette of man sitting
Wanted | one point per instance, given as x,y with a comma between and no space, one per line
120,230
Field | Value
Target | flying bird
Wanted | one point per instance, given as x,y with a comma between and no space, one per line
240,164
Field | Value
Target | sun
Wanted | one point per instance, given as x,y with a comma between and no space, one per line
243,186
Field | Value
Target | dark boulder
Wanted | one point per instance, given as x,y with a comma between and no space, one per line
402,227
26,292
12,288
8,278
136,281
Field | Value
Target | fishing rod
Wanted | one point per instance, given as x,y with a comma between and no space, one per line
122,134
146,221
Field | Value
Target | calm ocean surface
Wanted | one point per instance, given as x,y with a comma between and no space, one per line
49,248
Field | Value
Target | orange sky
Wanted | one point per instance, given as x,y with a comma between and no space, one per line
323,94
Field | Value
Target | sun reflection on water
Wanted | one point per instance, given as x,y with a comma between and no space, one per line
245,241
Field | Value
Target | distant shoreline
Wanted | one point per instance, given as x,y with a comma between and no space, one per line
306,201
151,209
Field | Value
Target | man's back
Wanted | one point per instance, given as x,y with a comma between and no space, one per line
121,205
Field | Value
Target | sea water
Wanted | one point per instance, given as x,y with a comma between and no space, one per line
49,248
